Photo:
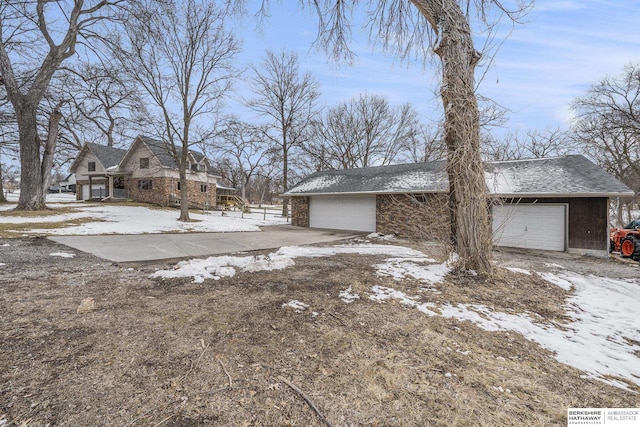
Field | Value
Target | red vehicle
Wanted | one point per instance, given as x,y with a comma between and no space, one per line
626,240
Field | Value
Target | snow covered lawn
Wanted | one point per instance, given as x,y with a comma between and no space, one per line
602,337
126,219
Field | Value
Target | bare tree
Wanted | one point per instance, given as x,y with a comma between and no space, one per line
509,146
444,26
35,38
243,147
536,144
103,107
8,139
181,55
426,144
288,101
607,126
363,131
549,142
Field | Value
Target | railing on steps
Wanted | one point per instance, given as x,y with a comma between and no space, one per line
239,202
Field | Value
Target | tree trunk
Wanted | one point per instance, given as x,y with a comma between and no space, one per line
31,192
469,213
3,199
285,179
184,189
620,219
50,148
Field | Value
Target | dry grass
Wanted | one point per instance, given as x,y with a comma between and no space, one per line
8,231
35,214
174,353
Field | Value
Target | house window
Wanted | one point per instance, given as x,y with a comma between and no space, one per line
194,167
204,188
144,163
91,166
201,168
178,185
145,184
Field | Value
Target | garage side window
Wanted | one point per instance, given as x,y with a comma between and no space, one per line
91,166
145,184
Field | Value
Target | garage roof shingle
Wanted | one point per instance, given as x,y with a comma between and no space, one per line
571,175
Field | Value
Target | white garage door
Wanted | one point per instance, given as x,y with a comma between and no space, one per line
99,190
343,212
536,226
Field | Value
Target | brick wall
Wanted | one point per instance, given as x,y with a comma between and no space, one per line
300,211
163,188
419,216
195,193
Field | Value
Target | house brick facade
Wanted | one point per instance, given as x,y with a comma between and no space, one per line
164,191
146,172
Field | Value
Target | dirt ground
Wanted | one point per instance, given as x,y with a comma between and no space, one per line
226,353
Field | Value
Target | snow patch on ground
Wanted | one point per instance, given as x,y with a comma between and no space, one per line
123,219
296,305
225,266
379,236
602,337
401,268
553,265
556,280
63,254
347,296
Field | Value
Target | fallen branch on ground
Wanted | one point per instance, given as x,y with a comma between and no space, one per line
306,399
225,371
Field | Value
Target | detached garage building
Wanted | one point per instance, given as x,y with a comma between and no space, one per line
559,204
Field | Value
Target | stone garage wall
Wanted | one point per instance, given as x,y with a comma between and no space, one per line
416,216
300,211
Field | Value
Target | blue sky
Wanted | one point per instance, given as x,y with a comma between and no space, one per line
563,47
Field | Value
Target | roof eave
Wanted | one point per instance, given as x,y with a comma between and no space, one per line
562,195
355,193
502,195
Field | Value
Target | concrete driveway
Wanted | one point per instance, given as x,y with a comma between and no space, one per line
154,247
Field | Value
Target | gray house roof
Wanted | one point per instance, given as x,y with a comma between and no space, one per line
160,149
107,156
566,176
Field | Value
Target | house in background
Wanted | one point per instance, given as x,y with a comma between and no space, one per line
93,167
146,172
557,203
68,185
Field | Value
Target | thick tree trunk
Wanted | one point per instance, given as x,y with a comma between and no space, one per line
470,227
184,189
31,191
285,180
3,199
50,148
